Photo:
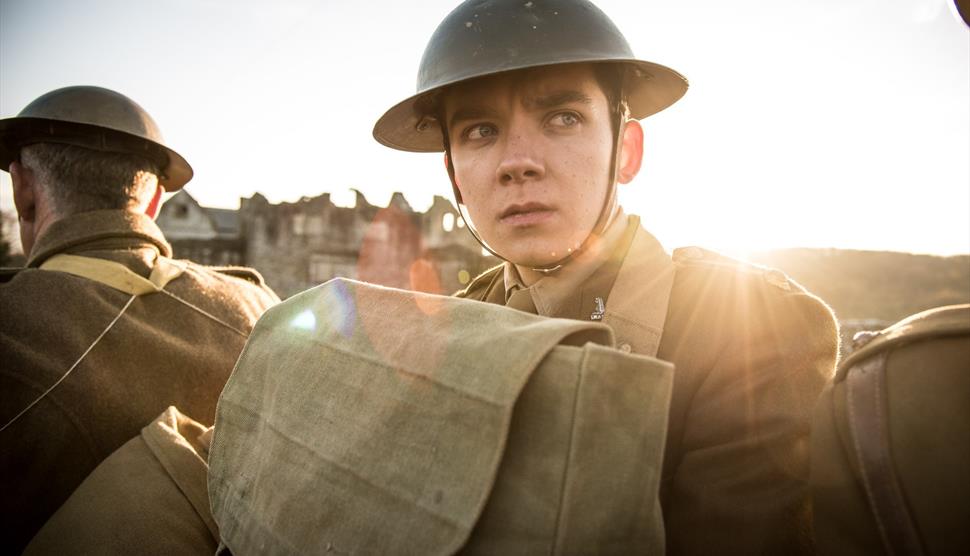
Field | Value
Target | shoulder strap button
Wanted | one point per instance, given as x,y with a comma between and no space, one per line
688,253
777,279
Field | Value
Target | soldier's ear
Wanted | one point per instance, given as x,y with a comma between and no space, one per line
631,152
152,209
24,194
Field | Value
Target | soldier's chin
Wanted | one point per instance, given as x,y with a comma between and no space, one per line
536,249
537,260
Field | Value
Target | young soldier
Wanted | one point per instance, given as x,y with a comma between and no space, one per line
535,106
103,330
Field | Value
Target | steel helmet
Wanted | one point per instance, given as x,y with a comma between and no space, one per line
485,37
94,118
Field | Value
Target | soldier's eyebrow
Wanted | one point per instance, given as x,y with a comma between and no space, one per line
465,113
552,100
557,98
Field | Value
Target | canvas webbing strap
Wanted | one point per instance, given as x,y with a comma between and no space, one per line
117,275
870,436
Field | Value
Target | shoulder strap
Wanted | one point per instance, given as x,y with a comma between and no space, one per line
870,436
117,275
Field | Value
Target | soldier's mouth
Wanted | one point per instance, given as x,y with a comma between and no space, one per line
525,214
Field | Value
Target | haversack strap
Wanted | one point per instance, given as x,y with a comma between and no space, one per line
117,275
870,435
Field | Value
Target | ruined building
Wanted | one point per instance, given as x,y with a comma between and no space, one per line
299,245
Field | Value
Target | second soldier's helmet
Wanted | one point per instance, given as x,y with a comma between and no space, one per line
94,118
485,37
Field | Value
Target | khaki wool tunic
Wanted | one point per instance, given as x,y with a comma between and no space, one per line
130,357
752,352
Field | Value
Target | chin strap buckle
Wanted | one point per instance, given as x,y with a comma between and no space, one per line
547,271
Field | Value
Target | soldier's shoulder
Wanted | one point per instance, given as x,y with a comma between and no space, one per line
718,270
476,288
243,272
235,278
749,295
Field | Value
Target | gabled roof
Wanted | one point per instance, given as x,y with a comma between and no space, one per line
225,221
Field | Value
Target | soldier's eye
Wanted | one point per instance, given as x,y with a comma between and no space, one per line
564,119
480,131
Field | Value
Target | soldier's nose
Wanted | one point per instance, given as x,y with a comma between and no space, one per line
519,164
519,171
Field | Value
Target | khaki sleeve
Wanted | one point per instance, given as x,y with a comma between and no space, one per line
148,497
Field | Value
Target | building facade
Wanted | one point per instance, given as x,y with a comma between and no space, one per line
298,245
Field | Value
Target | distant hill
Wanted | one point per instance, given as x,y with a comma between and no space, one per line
880,285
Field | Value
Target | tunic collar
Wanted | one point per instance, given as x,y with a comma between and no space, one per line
101,231
555,295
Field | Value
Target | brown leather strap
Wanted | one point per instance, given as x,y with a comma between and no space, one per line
865,389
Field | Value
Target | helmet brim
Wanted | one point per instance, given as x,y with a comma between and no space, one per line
649,89
19,132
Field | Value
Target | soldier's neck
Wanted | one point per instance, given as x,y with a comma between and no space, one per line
528,275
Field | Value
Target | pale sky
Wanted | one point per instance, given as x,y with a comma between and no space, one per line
831,123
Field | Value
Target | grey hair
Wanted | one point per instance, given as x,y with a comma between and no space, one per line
76,179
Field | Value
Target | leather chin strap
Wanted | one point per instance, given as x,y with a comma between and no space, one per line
602,221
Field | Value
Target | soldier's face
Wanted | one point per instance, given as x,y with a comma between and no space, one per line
532,153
